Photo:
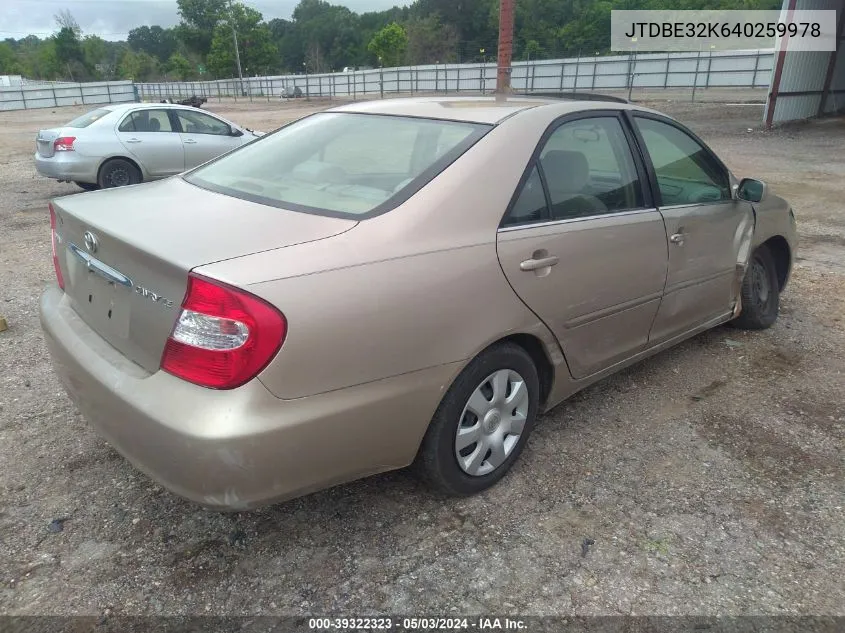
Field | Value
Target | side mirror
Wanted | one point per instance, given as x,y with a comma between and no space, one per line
751,190
236,132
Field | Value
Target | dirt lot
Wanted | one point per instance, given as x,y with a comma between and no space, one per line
710,478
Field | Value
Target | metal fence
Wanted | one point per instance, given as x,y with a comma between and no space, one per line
50,95
732,69
686,71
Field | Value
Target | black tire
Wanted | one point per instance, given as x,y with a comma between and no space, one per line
760,292
88,186
437,461
118,172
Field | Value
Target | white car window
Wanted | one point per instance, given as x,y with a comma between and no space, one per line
198,123
146,121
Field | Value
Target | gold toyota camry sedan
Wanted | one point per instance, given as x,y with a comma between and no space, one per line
396,282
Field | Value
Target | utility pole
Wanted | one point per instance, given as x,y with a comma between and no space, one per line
238,57
237,50
503,72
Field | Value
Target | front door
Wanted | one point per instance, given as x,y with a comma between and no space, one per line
148,135
583,246
204,137
708,231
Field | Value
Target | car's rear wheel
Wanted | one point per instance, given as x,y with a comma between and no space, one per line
118,172
482,423
88,186
760,292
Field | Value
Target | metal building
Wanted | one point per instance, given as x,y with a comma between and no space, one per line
807,83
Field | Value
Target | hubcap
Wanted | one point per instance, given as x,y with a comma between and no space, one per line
492,423
118,177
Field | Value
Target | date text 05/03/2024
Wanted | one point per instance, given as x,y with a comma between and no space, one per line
417,624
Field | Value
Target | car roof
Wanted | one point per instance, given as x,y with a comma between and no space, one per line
122,107
478,109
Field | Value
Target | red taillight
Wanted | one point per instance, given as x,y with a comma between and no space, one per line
223,337
64,144
53,238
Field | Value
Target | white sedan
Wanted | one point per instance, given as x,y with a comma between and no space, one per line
128,143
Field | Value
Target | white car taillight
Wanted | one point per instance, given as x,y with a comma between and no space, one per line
64,144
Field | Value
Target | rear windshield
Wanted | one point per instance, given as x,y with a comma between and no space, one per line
340,163
87,119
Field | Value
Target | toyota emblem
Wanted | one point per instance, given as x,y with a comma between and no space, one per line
91,242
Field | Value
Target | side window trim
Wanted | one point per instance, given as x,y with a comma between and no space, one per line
631,116
641,167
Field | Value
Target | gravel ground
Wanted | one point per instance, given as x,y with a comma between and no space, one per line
706,480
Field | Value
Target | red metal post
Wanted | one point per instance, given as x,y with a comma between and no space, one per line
503,72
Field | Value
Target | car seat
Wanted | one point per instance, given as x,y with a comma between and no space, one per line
567,176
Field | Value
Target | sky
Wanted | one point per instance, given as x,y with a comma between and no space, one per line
113,19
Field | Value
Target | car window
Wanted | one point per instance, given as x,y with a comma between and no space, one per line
88,118
374,146
146,121
530,205
686,172
198,123
589,170
340,163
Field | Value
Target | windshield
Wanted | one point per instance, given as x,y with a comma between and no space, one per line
340,163
87,119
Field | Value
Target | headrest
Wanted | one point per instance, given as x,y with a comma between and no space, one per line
566,170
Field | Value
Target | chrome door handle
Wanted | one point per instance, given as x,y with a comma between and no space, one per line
536,264
190,141
678,238
133,140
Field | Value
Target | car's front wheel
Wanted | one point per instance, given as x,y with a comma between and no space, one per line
760,292
482,423
118,172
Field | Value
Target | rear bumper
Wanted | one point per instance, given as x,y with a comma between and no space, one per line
67,166
244,448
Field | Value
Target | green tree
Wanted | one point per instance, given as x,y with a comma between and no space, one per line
430,41
68,47
255,43
137,66
389,45
9,64
199,19
179,67
154,40
96,53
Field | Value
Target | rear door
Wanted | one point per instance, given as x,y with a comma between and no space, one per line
204,137
708,231
149,136
582,244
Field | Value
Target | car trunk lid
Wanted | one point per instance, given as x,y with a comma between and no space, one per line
44,141
125,254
